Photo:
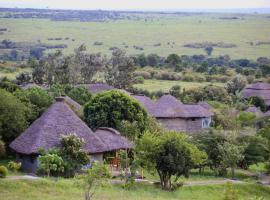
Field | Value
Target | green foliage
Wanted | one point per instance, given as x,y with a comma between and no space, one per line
37,99
109,108
246,118
14,166
236,84
2,149
72,153
169,154
95,177
3,172
80,94
8,85
176,91
120,70
258,102
209,93
256,151
13,116
51,164
230,155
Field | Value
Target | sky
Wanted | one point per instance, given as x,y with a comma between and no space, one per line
136,4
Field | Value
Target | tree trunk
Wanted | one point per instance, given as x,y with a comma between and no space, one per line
233,173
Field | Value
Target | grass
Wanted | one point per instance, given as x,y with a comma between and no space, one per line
162,29
155,85
66,189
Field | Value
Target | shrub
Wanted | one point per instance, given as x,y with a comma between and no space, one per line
51,164
144,74
3,172
139,79
80,94
14,166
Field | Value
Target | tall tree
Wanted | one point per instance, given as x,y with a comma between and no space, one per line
120,70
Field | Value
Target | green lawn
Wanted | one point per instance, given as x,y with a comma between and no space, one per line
66,189
155,85
163,29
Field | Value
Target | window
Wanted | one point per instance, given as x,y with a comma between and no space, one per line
206,122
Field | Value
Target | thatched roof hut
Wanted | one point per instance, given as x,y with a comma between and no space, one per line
76,107
259,89
60,120
169,107
113,139
146,102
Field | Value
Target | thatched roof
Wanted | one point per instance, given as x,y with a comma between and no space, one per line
170,107
98,87
255,110
113,139
31,85
259,89
205,105
46,131
267,114
146,102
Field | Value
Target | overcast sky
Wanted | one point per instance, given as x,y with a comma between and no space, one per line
137,4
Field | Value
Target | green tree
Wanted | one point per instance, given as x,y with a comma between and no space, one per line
236,84
208,50
120,70
73,154
35,98
176,91
169,154
50,164
13,116
110,108
258,102
141,60
95,177
80,94
173,60
230,155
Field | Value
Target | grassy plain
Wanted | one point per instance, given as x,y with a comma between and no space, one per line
63,189
165,86
177,29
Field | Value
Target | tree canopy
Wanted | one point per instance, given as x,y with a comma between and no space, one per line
109,108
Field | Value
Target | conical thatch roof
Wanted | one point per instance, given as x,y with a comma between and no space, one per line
259,89
73,104
146,102
46,131
169,107
113,139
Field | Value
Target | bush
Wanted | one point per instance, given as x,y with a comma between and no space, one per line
14,166
3,172
139,80
144,74
51,164
80,94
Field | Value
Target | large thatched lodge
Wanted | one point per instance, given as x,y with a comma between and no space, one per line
174,115
46,132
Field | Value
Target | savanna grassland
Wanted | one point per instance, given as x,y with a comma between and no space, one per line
151,33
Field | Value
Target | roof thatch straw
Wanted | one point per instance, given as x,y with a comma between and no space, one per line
47,131
259,89
169,107
113,139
